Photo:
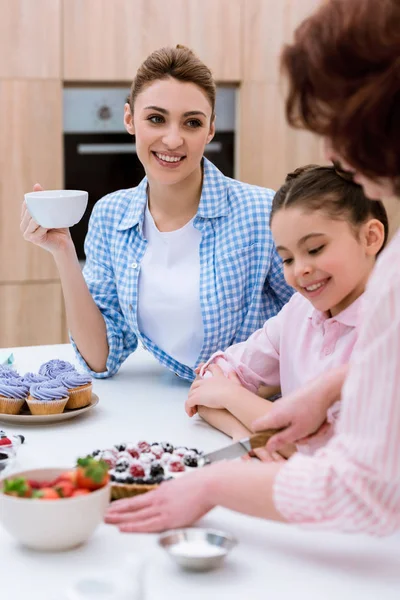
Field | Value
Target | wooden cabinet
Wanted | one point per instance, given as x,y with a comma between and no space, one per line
31,314
30,152
267,25
268,148
30,39
106,40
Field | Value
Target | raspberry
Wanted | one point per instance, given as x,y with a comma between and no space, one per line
5,441
143,446
133,450
180,451
175,466
136,470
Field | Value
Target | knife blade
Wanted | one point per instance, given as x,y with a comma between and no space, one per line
239,448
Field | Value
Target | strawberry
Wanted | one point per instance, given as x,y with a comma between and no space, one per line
5,441
91,473
36,485
69,476
64,489
79,492
46,493
19,486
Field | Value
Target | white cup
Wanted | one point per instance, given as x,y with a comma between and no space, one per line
54,209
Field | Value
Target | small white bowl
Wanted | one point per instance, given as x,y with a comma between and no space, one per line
197,549
54,209
52,524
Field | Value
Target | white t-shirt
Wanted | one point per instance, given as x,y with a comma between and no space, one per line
169,311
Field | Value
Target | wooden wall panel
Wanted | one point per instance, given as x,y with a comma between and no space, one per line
267,25
107,41
30,151
102,39
30,39
268,148
212,28
31,314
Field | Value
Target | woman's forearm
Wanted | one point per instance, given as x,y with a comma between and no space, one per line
223,421
84,319
244,487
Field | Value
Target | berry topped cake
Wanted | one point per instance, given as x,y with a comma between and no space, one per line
139,468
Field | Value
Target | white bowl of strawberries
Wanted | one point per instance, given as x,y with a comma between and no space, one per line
55,509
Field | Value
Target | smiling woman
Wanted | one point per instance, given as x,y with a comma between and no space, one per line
183,263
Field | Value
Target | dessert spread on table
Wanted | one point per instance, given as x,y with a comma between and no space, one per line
138,468
57,386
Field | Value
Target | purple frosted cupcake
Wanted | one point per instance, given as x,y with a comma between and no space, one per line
30,378
55,367
13,393
8,373
47,398
79,387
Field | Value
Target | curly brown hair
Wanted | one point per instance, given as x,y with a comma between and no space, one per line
344,82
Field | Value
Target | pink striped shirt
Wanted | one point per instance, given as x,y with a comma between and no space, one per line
353,483
292,348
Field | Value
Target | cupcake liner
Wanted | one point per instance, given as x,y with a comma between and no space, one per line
80,396
46,407
127,490
10,406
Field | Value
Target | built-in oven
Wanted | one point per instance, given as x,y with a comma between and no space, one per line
100,156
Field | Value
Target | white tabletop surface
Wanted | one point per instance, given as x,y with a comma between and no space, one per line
282,562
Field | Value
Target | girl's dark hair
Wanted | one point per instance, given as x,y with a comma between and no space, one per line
343,71
331,190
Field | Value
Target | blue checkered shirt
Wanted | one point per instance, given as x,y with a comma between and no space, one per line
241,281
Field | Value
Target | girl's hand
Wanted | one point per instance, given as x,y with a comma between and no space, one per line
173,504
51,240
211,392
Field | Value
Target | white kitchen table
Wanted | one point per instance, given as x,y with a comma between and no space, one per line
271,561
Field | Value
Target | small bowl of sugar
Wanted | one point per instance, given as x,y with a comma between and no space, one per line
197,549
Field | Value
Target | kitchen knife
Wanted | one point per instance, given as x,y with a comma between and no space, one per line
239,448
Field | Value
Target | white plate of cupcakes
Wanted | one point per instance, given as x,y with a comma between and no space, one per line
57,392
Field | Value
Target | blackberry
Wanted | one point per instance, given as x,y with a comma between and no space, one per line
190,461
120,479
95,453
121,466
112,477
120,447
130,479
138,480
156,469
167,447
21,437
194,450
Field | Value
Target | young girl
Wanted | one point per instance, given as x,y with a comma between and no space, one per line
185,262
328,235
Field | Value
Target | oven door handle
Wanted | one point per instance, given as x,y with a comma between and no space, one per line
129,148
106,149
